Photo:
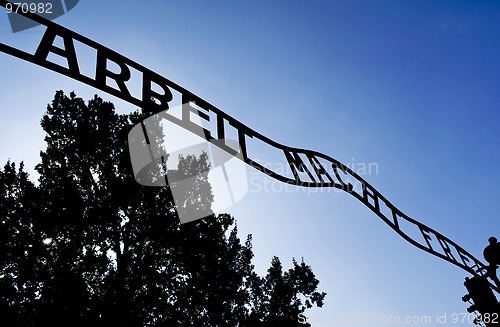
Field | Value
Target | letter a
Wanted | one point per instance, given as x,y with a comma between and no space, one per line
47,45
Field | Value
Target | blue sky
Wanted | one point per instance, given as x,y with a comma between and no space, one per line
410,86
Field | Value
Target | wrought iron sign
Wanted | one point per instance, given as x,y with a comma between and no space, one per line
309,168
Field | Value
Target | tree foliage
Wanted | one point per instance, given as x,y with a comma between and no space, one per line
87,245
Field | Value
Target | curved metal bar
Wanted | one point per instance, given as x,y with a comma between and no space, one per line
306,162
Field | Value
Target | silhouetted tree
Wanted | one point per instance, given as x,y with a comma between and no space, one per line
89,246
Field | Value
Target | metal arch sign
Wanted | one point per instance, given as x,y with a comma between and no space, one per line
321,170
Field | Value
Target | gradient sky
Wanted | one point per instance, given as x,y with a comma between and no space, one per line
410,87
